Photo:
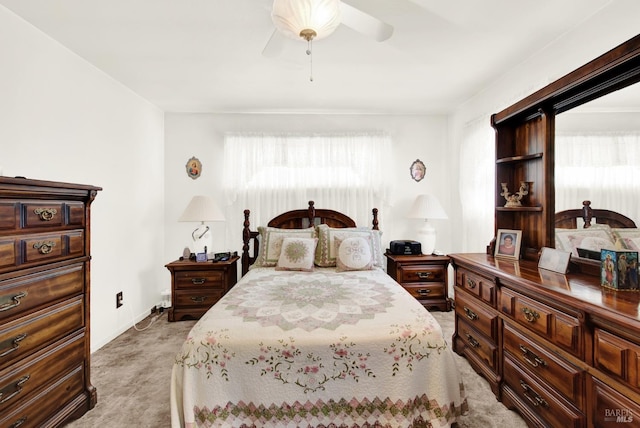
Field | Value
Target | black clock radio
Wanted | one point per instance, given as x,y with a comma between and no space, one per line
405,247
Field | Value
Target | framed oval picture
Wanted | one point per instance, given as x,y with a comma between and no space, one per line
417,170
194,168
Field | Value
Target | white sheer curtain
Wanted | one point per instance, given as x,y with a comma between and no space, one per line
273,173
477,185
603,168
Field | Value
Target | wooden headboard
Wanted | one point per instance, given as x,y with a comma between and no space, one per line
296,219
568,219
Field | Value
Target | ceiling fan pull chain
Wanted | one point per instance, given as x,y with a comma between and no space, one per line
310,53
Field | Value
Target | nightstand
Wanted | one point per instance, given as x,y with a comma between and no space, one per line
424,276
196,286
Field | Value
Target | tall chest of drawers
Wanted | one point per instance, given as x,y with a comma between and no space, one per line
44,302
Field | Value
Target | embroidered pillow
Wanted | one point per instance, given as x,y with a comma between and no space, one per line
353,253
297,254
593,238
628,239
326,249
271,238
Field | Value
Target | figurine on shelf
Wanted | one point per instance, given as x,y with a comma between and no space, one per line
514,200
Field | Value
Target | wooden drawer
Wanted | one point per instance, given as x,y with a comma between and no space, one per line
22,294
612,409
43,214
28,334
545,403
481,318
565,378
421,273
42,406
9,217
617,357
199,279
559,328
8,253
426,290
201,297
45,247
19,381
484,348
481,287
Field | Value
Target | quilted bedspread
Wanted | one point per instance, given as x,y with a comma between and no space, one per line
316,349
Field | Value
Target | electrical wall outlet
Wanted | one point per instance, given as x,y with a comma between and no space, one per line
119,301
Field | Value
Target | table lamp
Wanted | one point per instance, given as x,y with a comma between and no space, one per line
202,209
427,207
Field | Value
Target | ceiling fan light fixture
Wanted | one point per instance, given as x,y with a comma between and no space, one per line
306,19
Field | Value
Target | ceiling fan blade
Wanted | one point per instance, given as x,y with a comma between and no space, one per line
275,45
364,23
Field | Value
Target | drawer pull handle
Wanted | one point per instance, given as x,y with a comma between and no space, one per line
46,214
472,341
13,301
470,314
198,281
529,315
425,275
44,247
15,344
199,299
471,283
17,388
423,291
536,400
19,422
532,358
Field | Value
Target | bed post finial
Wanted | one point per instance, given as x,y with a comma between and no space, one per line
375,218
246,237
312,213
587,213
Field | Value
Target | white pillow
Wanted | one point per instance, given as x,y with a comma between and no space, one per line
325,251
353,253
297,254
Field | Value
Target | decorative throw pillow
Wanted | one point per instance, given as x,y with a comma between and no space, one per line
629,239
353,253
570,240
271,238
297,254
326,249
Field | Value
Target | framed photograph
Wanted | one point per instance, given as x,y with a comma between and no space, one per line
418,170
508,244
554,260
194,167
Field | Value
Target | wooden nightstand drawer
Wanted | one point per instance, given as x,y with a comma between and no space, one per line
201,297
425,291
199,279
421,273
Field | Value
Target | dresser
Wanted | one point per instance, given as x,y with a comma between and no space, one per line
196,286
559,349
423,276
44,302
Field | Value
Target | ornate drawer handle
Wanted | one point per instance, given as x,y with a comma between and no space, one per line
472,341
536,400
470,314
198,281
19,422
199,299
44,247
471,283
17,389
532,358
425,275
529,315
15,299
423,291
15,344
46,214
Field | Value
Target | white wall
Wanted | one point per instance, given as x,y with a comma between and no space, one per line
202,136
65,120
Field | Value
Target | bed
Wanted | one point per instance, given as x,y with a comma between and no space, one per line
339,345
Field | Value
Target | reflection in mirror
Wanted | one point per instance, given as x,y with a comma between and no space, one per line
597,155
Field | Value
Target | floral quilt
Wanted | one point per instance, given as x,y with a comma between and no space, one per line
316,349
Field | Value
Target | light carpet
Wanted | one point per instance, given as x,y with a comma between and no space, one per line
132,375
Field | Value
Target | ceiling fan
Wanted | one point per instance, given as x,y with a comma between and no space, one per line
294,19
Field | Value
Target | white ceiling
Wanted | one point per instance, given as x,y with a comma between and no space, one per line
206,55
